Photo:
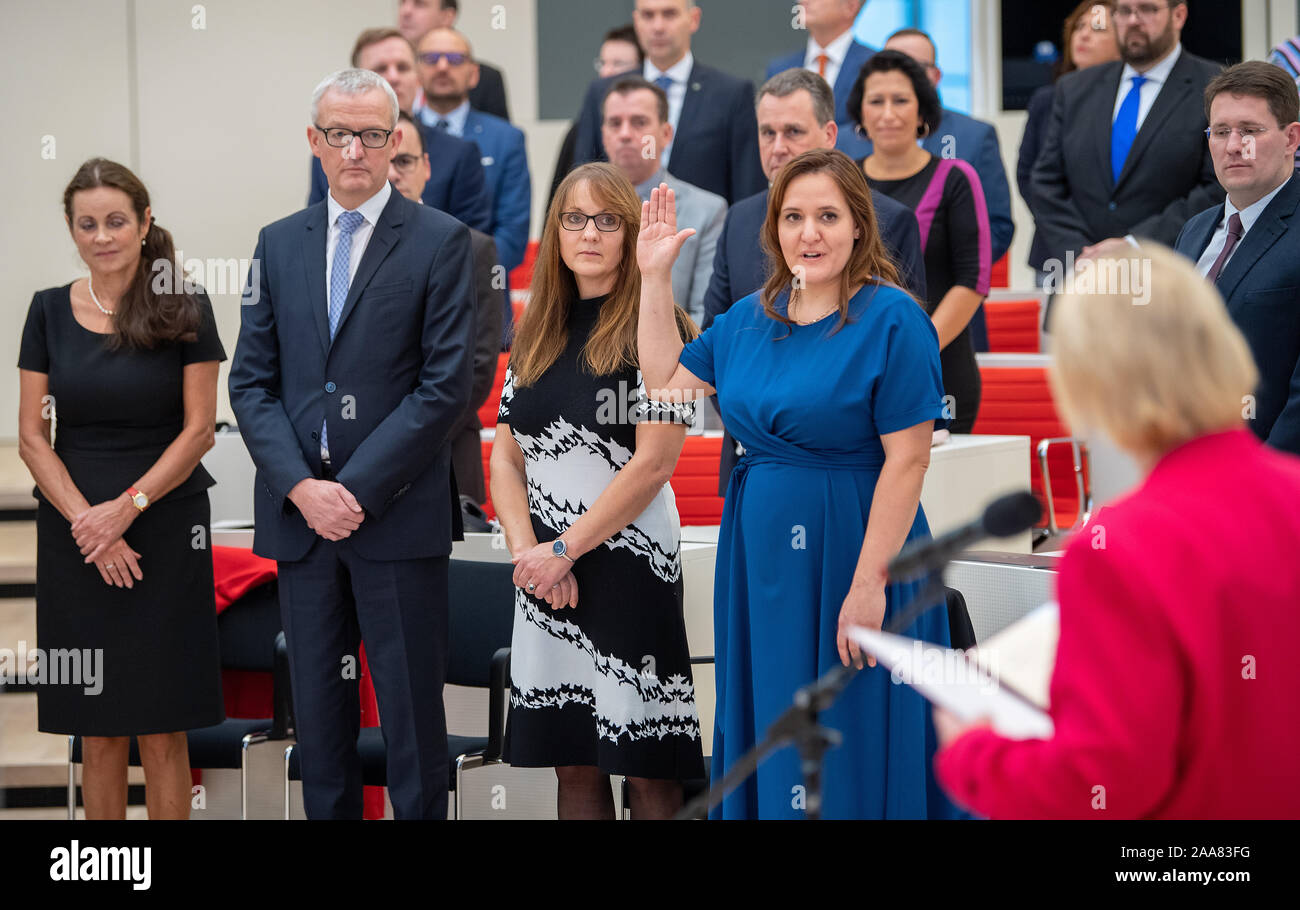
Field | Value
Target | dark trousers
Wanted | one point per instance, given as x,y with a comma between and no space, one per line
330,601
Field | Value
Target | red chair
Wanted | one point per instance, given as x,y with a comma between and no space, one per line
998,277
1017,401
695,481
1012,325
522,276
487,478
487,414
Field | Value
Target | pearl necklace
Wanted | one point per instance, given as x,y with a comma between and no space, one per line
90,283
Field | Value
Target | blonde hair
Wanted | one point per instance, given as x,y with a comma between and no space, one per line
542,333
1150,366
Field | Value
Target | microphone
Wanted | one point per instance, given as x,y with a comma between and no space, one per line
1005,516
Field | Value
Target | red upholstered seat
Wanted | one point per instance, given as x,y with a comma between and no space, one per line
1012,325
999,275
522,276
1017,401
695,480
487,414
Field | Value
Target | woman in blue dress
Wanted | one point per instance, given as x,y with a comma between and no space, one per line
830,379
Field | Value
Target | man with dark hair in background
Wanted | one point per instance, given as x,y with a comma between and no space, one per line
416,18
711,112
1248,246
1125,153
831,51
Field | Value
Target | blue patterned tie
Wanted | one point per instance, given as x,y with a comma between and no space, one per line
348,222
1125,129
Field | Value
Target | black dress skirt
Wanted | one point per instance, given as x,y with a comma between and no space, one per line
149,658
606,684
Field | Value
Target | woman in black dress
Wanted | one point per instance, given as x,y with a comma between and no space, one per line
599,663
895,105
125,364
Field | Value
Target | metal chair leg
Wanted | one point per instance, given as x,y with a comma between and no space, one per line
287,754
250,739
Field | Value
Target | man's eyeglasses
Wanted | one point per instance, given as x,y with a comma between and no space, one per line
1221,134
606,222
1145,11
341,138
431,58
405,162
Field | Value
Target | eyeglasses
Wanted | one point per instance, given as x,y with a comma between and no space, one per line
405,162
606,222
431,58
341,138
1221,134
1141,11
599,65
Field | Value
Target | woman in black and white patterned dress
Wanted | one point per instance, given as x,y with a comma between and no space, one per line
580,466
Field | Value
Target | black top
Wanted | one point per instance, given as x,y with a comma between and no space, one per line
956,241
126,403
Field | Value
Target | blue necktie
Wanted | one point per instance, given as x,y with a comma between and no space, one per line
1125,129
443,126
665,83
348,222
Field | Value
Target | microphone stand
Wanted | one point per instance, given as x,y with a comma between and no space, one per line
798,724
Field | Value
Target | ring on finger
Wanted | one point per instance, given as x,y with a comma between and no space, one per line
532,587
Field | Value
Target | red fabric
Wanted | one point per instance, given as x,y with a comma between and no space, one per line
248,693
1000,277
522,275
695,480
487,414
1012,326
236,571
1194,580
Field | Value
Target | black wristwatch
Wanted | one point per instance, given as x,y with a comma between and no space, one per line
560,548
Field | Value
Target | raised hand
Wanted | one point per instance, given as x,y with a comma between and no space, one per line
659,242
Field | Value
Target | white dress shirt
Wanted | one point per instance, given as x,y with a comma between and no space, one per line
835,53
456,119
1156,77
680,73
370,210
1249,215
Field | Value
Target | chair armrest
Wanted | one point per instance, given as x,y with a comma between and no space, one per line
497,695
1080,452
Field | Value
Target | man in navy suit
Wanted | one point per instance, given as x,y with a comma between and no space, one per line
831,52
354,361
457,184
1246,246
447,71
711,112
795,113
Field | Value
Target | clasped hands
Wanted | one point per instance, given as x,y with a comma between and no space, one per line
98,532
550,576
329,508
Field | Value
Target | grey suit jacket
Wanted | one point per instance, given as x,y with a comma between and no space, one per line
706,212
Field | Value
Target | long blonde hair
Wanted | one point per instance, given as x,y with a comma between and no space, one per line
542,333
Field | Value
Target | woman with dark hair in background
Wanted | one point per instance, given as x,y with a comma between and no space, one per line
1089,38
894,104
829,376
126,362
599,664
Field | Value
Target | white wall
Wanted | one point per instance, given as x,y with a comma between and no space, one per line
212,118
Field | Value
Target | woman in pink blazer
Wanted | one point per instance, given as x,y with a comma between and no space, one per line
1175,686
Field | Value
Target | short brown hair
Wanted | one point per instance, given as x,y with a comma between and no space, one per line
626,85
1258,79
374,36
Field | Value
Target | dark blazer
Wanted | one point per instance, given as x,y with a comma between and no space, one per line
399,369
1031,143
457,181
974,142
854,58
716,143
466,451
1261,287
1168,176
740,269
489,96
